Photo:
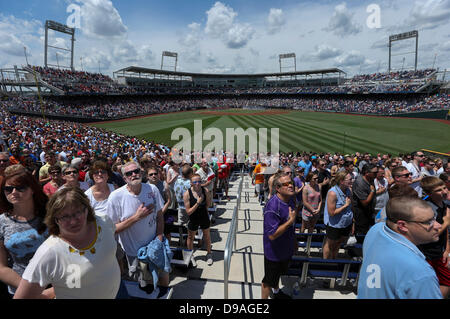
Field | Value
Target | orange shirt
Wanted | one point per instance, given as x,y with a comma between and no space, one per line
259,179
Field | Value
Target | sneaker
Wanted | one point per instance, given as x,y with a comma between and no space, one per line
281,295
193,262
209,259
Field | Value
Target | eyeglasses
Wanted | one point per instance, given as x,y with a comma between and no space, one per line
67,173
153,174
137,171
196,182
420,155
10,189
404,175
427,223
54,173
68,218
4,160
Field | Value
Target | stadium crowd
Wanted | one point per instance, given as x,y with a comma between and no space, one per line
394,75
76,82
104,173
113,107
79,82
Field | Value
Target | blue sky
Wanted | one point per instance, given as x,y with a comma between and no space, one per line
235,36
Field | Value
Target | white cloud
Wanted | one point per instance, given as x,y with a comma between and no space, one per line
429,14
351,58
9,44
322,52
15,34
99,18
341,23
193,36
221,24
275,21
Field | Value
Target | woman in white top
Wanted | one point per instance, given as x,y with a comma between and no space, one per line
79,257
98,194
70,176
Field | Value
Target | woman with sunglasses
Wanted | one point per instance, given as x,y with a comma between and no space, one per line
70,176
56,180
197,199
338,214
22,228
98,194
79,257
312,202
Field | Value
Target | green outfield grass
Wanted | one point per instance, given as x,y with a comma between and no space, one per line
304,131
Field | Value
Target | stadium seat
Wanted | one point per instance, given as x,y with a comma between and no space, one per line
341,269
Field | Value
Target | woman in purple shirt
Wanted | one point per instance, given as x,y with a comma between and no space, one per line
279,236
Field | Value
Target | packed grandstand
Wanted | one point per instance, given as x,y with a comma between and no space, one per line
98,96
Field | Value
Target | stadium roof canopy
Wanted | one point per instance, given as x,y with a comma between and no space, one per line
134,70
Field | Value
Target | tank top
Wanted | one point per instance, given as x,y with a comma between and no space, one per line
201,209
313,198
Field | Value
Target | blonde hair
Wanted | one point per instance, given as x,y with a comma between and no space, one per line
338,178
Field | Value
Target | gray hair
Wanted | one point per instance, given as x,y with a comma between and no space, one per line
122,168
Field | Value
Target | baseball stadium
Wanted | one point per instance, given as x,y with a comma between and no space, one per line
64,126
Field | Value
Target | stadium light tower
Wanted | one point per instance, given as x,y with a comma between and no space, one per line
171,55
404,36
58,27
288,56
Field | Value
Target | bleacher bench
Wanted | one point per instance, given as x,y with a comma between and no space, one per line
341,269
317,240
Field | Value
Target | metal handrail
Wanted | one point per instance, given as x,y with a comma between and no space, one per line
231,240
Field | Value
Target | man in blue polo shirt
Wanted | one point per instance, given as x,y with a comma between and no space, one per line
393,266
305,163
279,236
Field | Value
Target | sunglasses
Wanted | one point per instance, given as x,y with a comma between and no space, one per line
10,189
100,171
287,183
196,182
153,174
4,160
404,175
67,173
137,171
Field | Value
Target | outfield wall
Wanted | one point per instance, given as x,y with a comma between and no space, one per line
438,114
